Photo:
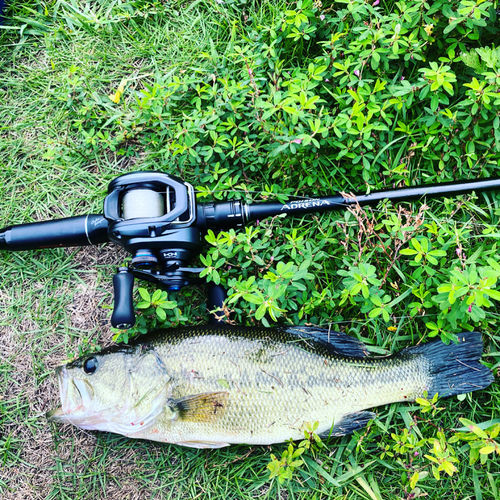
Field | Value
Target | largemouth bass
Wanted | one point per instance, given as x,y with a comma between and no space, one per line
209,387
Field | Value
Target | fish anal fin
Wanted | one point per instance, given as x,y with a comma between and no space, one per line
349,423
205,407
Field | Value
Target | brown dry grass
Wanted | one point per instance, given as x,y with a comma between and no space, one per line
31,350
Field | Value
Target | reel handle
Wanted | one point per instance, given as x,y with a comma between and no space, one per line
123,316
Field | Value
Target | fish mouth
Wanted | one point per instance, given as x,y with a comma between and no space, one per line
70,395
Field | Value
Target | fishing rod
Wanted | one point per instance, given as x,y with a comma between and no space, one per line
156,218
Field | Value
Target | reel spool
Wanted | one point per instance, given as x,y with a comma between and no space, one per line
142,203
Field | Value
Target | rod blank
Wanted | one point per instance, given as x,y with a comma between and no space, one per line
260,211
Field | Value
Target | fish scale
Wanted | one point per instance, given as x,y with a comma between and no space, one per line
210,387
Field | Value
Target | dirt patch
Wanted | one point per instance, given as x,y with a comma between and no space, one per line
45,457
90,310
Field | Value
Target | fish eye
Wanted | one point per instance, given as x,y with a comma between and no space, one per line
90,365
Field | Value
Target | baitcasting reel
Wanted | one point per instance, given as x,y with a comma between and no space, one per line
156,218
152,216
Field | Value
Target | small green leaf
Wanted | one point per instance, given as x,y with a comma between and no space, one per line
413,480
145,295
486,450
448,467
253,299
493,294
375,312
162,315
474,428
224,383
260,313
422,402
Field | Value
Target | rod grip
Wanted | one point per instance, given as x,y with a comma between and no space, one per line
70,232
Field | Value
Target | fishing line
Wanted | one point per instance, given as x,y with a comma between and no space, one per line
142,203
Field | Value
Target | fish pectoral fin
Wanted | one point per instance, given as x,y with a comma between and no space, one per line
206,407
349,423
202,444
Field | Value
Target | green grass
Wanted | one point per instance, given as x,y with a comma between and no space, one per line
55,303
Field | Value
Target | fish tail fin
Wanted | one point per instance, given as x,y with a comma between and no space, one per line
454,368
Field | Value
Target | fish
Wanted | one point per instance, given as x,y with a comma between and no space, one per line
210,387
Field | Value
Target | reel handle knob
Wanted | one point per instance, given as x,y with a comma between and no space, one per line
123,316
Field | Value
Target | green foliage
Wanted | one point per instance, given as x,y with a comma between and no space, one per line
481,441
315,87
280,285
284,467
442,456
467,291
152,312
411,449
462,290
429,405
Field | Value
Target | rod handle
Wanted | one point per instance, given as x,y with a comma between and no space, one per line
70,232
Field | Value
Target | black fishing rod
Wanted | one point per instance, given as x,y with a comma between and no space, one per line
156,218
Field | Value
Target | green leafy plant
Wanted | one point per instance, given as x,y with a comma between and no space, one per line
152,311
283,468
481,441
423,252
410,448
358,279
442,455
467,292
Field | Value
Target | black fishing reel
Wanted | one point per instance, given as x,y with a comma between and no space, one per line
151,215
155,217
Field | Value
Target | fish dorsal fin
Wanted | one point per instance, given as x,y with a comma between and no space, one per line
206,407
349,423
336,342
